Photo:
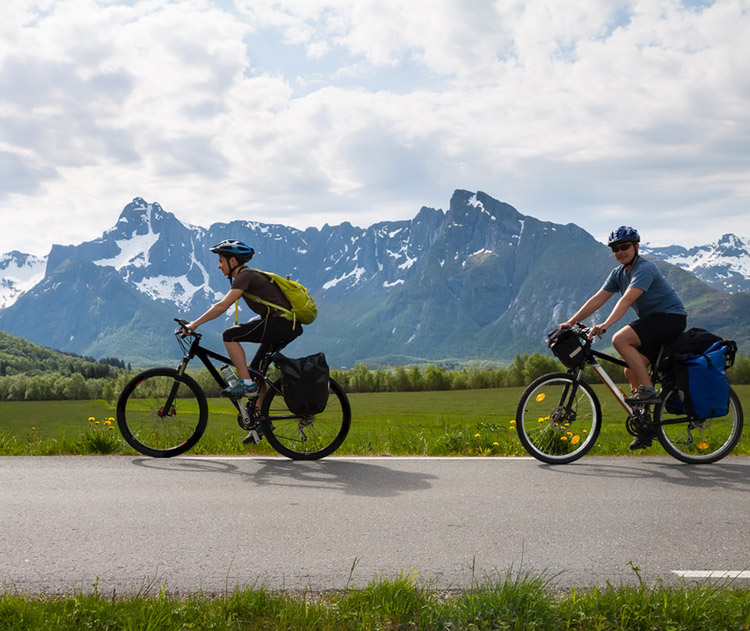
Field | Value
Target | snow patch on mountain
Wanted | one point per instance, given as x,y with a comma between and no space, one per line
19,273
133,251
724,264
357,273
177,290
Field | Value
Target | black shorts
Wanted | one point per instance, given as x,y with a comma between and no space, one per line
268,332
657,329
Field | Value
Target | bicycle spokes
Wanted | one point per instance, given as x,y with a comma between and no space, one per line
557,419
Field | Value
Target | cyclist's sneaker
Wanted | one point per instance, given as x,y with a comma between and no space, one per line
642,441
644,395
239,390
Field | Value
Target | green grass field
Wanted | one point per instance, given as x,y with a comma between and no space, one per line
457,423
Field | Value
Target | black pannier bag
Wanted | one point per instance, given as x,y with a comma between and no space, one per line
691,342
304,383
567,347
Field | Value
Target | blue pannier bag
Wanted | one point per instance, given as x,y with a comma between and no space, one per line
703,380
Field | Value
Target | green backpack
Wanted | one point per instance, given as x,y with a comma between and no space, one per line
303,308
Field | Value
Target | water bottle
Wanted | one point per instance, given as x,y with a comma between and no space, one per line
228,373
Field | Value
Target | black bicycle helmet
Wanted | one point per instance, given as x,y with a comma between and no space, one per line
238,249
622,235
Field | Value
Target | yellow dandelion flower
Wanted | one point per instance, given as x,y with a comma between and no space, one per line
91,419
496,444
585,431
96,422
108,422
111,419
702,445
512,422
541,419
568,433
541,396
564,438
477,435
575,440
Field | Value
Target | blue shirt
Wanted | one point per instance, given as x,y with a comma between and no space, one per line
658,295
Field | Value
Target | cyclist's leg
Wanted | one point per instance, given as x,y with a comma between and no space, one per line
245,332
639,343
276,332
627,343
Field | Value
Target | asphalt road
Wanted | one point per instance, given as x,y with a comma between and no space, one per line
213,524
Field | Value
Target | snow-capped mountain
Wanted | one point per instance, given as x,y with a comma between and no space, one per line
19,273
725,264
480,280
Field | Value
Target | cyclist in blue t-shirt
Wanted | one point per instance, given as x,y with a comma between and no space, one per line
661,314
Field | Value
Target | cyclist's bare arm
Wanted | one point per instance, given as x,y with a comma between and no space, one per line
592,305
216,310
623,304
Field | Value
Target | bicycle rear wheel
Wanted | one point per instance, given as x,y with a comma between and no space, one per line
697,441
305,437
161,413
558,419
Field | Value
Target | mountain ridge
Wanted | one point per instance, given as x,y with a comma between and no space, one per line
477,281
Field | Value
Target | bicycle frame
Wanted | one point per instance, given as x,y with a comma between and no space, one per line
206,355
606,379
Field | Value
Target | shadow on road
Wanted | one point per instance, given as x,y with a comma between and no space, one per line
729,474
349,477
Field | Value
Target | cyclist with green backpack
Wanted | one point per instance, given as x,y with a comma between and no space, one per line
277,322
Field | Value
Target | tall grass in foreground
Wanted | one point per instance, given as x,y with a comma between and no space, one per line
513,600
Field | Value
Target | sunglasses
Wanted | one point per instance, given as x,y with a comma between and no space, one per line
623,247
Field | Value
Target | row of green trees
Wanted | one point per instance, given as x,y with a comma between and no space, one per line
520,372
58,387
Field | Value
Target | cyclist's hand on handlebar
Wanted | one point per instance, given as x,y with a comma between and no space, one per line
597,330
185,327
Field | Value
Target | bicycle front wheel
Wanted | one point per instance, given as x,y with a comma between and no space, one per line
697,441
305,437
558,418
161,413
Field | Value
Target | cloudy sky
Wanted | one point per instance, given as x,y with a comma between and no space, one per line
302,112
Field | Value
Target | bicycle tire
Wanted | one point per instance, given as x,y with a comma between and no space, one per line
292,435
141,419
699,442
552,432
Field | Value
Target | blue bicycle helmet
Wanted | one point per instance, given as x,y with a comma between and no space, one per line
622,235
238,249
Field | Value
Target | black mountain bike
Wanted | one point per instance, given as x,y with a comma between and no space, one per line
559,416
163,412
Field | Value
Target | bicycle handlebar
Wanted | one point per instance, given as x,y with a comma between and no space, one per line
183,327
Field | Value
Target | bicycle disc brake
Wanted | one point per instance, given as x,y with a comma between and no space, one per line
561,419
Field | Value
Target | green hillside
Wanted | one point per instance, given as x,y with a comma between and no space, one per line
21,357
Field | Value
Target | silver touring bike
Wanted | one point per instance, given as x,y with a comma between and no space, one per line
559,416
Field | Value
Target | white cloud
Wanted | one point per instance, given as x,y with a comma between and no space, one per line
313,111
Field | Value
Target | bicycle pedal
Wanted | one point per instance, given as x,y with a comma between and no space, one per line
253,437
